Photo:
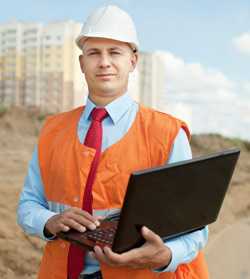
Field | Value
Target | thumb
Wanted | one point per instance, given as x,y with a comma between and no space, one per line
150,236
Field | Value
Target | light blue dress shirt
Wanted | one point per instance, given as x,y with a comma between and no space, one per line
34,211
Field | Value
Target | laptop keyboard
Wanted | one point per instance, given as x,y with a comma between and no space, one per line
104,235
101,236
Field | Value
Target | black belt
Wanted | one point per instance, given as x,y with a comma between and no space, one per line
96,275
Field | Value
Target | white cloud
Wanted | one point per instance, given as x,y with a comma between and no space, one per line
194,81
207,99
246,88
242,43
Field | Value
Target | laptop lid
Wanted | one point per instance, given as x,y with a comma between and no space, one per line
174,199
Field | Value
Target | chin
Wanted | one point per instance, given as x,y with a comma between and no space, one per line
111,91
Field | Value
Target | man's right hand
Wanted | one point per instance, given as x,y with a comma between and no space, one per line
74,218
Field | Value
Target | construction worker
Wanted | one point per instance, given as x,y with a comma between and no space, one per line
81,165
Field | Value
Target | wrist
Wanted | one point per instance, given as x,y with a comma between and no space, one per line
166,259
49,230
47,233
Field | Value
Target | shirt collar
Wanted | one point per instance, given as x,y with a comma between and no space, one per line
115,109
88,108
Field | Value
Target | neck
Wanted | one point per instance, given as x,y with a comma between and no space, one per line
103,100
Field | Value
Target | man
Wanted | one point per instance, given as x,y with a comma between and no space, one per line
73,182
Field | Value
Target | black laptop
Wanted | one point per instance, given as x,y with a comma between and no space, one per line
171,200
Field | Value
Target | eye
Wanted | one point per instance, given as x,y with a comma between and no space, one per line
115,52
93,53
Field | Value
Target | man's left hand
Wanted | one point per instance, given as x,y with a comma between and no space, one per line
152,254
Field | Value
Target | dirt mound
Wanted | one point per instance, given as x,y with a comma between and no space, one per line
20,254
237,201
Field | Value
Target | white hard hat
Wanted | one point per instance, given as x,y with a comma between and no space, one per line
109,22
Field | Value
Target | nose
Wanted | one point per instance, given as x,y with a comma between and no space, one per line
104,61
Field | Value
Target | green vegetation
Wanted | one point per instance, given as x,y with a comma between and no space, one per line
41,117
3,110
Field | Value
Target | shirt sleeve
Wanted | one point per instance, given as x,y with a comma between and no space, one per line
181,149
33,210
186,247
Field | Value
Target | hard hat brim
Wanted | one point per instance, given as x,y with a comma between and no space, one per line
82,38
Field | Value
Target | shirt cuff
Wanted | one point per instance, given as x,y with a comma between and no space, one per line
39,223
176,248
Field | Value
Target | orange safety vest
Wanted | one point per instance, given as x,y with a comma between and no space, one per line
65,164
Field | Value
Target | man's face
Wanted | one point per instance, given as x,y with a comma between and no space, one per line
106,64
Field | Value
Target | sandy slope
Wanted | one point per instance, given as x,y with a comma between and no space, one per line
231,249
20,254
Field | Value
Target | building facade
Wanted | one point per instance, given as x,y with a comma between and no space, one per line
152,79
39,65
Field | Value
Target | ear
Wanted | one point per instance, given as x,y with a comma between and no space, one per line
81,63
134,61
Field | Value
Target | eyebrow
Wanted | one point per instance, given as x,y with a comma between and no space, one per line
97,49
115,48
92,49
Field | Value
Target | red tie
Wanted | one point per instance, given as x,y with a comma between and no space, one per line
94,140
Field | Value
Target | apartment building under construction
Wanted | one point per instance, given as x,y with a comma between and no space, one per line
39,67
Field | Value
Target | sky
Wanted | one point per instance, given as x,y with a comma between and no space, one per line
206,49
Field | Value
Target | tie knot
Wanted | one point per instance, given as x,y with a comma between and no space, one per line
98,114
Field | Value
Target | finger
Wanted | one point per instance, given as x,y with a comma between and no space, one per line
99,255
85,214
75,211
83,221
92,255
74,225
124,258
79,218
137,253
150,236
133,258
114,257
63,228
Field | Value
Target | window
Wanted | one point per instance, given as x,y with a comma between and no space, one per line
31,31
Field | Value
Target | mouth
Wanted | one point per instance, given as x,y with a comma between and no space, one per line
105,76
